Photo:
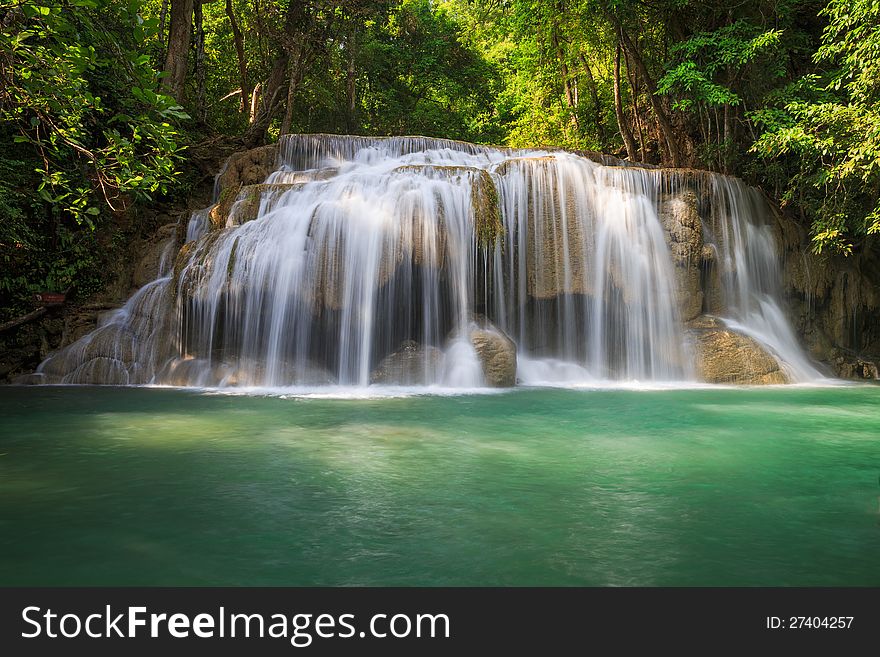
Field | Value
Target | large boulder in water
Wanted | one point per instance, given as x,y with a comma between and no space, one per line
411,364
725,356
684,234
497,354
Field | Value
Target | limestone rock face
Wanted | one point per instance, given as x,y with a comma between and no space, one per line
33,379
411,364
834,300
484,197
497,353
248,167
122,350
560,262
156,253
684,233
725,356
246,206
241,169
713,294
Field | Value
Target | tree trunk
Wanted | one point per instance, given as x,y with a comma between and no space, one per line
351,82
238,40
622,125
305,34
24,319
294,80
269,98
662,119
725,150
570,93
179,35
296,25
637,113
200,59
163,13
597,107
255,101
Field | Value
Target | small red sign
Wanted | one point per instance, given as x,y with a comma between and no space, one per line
51,298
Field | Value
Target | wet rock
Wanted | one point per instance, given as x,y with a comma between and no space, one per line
193,372
156,253
484,196
856,367
411,364
34,378
725,356
559,262
684,234
497,354
100,371
834,300
201,372
250,167
247,204
710,281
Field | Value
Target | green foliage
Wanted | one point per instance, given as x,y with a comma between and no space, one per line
423,80
828,128
709,62
84,98
553,65
83,132
783,92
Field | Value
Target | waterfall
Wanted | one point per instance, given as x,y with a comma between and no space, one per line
412,260
742,233
587,271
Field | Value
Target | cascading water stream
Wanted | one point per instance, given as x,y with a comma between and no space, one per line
411,260
586,251
750,274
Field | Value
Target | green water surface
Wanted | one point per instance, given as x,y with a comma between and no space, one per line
127,486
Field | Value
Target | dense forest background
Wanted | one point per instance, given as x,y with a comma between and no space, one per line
103,101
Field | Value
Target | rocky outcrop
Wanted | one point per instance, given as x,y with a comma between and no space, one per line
249,167
157,253
725,356
497,354
411,364
122,351
558,262
855,367
834,301
133,250
139,262
247,204
684,234
710,281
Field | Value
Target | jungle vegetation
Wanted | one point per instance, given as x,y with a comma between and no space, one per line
101,100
